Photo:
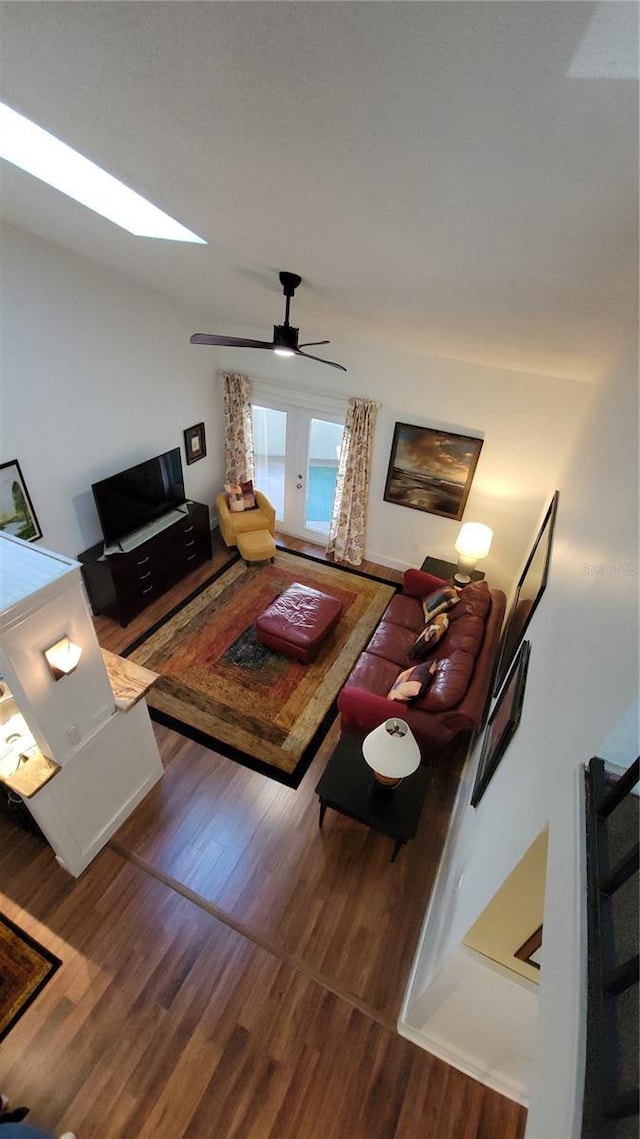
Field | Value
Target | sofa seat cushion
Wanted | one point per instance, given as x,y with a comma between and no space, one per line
405,612
246,521
374,674
393,643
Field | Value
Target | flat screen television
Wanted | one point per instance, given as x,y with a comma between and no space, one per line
133,498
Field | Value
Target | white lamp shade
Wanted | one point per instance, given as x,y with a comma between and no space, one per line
391,749
474,540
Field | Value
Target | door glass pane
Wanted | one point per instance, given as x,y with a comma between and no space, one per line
325,440
269,442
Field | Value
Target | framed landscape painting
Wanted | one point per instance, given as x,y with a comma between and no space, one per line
17,516
431,470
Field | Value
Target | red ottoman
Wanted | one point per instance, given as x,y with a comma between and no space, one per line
298,621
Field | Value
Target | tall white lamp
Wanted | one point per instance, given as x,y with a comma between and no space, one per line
391,750
473,542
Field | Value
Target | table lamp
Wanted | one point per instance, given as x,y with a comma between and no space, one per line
392,752
473,542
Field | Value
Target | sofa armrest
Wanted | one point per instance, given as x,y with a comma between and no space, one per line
362,711
267,509
417,583
224,520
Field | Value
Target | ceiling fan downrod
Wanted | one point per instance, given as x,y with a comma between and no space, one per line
289,282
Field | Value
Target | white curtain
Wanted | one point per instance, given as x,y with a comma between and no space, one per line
238,428
347,529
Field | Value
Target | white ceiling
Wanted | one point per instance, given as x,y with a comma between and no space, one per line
431,169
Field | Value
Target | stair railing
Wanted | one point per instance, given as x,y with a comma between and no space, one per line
605,1102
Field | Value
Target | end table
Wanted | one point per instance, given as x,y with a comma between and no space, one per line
446,570
348,786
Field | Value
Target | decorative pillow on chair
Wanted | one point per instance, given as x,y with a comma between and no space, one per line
439,601
429,637
235,501
412,683
248,495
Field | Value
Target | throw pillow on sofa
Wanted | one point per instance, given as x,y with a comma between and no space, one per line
429,637
412,683
248,495
235,501
439,601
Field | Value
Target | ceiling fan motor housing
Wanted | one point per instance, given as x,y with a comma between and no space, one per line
285,336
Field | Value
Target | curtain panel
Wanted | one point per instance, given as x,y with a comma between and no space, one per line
348,521
238,428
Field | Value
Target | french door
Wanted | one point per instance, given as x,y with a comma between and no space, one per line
296,460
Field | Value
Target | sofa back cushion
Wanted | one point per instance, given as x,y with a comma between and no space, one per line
449,682
475,599
466,634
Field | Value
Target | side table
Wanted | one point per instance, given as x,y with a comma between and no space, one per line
446,570
348,786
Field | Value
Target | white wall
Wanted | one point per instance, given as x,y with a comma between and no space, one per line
97,374
582,679
528,423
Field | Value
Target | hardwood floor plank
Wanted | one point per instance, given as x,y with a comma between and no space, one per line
229,969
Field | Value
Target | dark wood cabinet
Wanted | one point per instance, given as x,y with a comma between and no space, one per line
120,585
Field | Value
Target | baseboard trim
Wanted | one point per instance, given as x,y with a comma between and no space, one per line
463,1063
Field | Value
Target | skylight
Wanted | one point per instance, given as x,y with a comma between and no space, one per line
39,153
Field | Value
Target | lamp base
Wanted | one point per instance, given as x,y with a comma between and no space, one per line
461,578
387,781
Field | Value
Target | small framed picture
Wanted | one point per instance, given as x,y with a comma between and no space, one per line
194,443
17,516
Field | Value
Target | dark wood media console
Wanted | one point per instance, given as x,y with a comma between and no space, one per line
120,585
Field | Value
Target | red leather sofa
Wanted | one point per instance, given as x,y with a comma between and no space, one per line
454,704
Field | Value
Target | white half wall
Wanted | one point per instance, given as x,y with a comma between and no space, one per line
582,679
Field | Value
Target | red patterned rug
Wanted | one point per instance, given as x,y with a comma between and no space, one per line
220,686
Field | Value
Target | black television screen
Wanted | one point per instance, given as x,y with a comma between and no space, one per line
135,497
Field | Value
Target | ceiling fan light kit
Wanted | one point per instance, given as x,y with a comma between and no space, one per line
285,336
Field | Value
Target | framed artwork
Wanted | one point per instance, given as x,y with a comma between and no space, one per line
502,724
17,516
431,470
530,588
194,443
531,951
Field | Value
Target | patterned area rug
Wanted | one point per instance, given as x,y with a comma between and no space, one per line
220,686
25,968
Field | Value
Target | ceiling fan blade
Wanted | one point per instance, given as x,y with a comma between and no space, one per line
313,343
228,341
308,356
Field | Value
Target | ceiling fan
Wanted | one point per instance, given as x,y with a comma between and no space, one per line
285,336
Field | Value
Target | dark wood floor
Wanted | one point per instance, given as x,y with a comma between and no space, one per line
229,970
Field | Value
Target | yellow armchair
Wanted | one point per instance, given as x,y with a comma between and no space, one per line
233,523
